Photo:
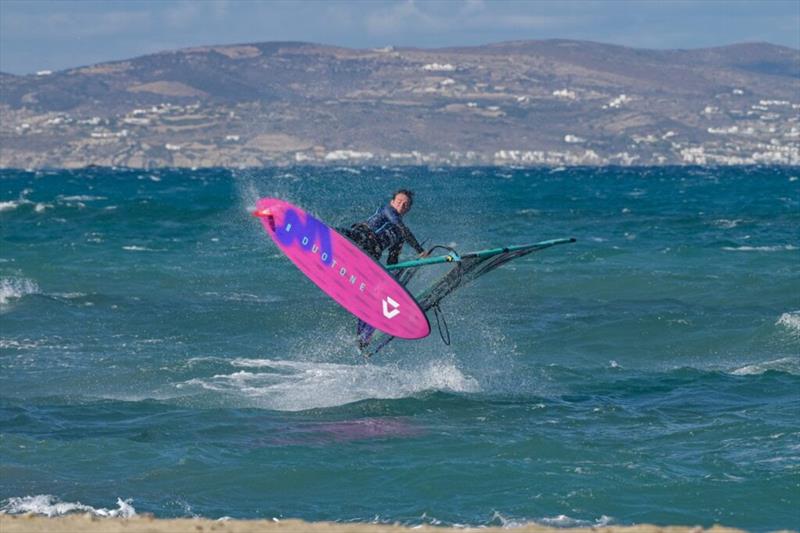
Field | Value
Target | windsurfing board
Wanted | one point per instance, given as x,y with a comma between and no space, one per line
342,270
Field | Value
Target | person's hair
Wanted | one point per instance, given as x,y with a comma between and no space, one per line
408,193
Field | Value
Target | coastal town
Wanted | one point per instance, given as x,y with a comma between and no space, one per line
549,104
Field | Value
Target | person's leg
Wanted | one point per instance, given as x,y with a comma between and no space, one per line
364,238
364,333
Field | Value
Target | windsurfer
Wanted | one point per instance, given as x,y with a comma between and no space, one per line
384,230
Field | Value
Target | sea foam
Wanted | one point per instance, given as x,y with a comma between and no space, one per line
80,198
136,248
15,288
776,248
790,322
8,206
48,505
789,365
559,521
297,386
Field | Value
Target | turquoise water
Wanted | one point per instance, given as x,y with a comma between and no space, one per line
157,354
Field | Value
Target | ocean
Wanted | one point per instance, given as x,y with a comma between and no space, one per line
159,355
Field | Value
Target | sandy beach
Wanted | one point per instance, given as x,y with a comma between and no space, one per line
145,524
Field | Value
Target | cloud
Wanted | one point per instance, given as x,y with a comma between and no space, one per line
114,22
528,22
402,17
474,6
409,17
183,14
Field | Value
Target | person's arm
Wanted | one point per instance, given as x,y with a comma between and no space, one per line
410,239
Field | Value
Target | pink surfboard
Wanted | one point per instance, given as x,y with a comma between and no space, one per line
342,270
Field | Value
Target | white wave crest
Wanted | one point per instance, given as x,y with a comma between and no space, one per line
297,386
348,170
8,206
80,198
560,521
50,506
725,223
791,322
69,295
790,365
567,521
135,248
11,205
14,288
23,344
776,248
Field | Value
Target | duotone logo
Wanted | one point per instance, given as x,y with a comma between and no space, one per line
394,311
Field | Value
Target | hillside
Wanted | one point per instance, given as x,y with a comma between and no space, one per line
529,102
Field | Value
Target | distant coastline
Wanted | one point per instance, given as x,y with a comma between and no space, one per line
357,168
525,103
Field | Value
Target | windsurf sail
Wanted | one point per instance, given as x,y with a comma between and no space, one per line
466,268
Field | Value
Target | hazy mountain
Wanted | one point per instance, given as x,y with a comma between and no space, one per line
264,103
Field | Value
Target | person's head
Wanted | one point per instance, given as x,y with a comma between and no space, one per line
402,200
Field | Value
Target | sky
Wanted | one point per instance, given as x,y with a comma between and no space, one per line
53,35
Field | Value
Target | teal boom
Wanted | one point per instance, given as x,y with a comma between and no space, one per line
454,257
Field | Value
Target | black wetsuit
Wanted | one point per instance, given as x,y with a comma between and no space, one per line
384,230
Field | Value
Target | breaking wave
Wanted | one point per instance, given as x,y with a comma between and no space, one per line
50,506
789,365
776,248
790,322
15,288
297,386
559,521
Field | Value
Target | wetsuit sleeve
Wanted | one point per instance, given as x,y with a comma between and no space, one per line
410,239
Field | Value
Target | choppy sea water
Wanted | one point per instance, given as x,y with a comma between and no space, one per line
157,353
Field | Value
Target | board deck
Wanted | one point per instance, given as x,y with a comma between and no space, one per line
342,270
